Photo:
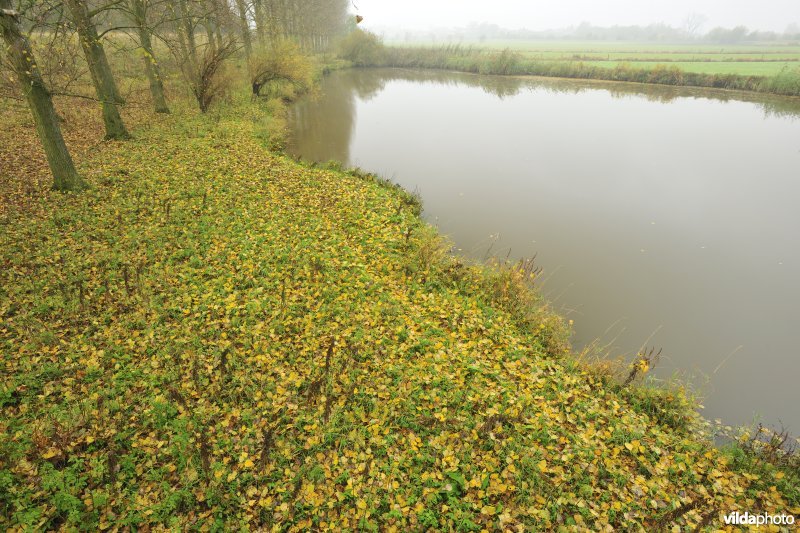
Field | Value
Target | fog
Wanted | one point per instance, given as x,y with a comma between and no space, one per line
772,15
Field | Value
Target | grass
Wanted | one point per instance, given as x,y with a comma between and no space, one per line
218,337
740,68
631,51
554,45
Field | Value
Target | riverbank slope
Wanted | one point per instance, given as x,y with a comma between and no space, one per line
217,336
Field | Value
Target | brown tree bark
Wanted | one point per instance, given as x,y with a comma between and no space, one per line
245,28
102,78
261,29
186,31
65,177
138,11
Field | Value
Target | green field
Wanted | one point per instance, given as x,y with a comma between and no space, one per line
744,68
745,59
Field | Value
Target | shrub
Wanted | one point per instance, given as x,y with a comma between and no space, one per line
771,455
510,286
665,75
282,63
362,48
668,406
787,82
209,78
503,63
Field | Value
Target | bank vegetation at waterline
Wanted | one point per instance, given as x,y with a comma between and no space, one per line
367,50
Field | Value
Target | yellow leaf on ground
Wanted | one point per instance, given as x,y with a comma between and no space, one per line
51,452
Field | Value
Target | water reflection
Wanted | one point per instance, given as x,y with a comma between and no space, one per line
327,123
662,215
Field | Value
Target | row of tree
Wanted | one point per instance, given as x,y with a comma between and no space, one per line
692,30
199,35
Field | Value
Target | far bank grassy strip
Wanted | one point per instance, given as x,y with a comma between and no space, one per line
619,53
507,62
613,47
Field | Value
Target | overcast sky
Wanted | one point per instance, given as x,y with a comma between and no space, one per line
552,14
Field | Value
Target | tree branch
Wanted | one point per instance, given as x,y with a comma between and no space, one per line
115,28
100,9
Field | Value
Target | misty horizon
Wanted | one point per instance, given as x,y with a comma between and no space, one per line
414,15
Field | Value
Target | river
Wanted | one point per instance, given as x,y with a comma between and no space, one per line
663,217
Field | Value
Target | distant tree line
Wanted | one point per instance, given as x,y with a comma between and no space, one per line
199,35
690,31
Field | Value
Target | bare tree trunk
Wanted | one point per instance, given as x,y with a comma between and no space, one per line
218,22
258,12
65,177
210,21
153,73
284,18
271,20
187,24
102,77
151,69
218,34
179,32
248,44
210,42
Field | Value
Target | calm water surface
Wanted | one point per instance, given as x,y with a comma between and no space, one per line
662,216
